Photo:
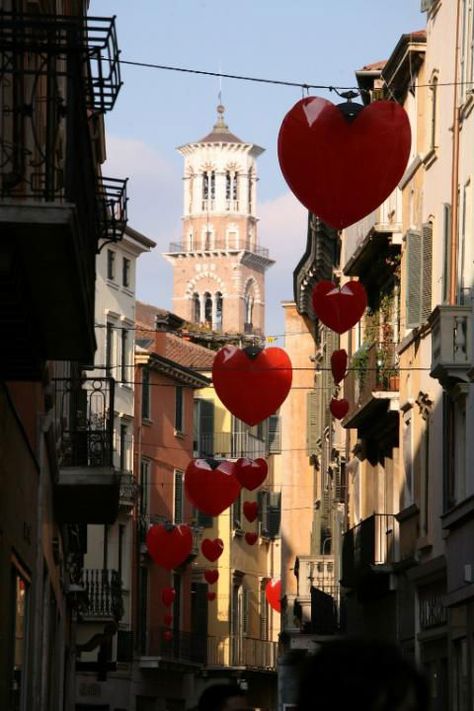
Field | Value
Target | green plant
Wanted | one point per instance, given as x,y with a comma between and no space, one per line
360,362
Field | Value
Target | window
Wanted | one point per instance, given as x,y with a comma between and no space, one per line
408,493
124,355
263,610
235,187
179,409
109,346
196,308
123,447
144,485
203,428
219,304
208,309
178,516
126,272
110,264
274,434
228,185
269,513
146,403
245,610
419,271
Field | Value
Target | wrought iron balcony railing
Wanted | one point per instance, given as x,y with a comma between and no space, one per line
85,413
104,594
230,445
182,646
219,245
129,490
241,651
371,369
373,542
112,193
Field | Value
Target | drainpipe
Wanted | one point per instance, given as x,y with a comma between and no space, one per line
455,172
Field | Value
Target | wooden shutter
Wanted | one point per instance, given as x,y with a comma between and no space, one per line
262,499
414,274
178,496
245,610
427,262
206,428
274,434
274,514
313,422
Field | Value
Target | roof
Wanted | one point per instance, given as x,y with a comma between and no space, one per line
374,67
187,353
139,237
220,132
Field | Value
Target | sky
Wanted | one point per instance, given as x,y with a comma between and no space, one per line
305,41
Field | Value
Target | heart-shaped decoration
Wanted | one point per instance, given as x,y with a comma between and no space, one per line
167,635
339,308
273,594
339,408
212,550
339,365
251,538
250,510
168,545
252,383
251,472
211,596
342,169
211,485
167,596
168,619
211,576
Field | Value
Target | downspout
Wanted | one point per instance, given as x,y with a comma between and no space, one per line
454,173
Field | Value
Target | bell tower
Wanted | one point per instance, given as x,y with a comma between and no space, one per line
219,266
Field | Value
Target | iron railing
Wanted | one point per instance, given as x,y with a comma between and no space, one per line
181,646
104,593
241,651
373,542
85,408
371,369
129,490
112,193
219,245
230,445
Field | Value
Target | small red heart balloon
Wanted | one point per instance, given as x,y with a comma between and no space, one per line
273,594
252,383
211,576
339,408
169,546
212,550
168,619
343,169
251,538
211,596
211,485
167,635
250,510
251,472
339,308
339,365
167,596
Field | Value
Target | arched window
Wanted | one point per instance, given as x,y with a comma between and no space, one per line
235,187
208,308
219,310
248,315
196,308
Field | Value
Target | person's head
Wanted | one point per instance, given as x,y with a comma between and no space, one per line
222,697
361,674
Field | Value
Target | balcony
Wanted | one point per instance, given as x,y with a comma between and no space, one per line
128,491
240,651
218,245
369,551
112,193
104,595
227,445
371,386
451,344
182,648
87,488
317,589
57,73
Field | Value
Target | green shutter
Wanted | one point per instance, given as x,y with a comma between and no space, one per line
274,434
313,422
427,270
414,276
206,428
274,514
178,497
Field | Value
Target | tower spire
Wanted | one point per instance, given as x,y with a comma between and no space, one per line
220,124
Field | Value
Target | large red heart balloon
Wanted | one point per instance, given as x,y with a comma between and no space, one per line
339,408
250,510
273,594
212,550
251,472
339,308
167,596
339,365
211,596
251,538
252,383
169,546
342,169
211,576
211,485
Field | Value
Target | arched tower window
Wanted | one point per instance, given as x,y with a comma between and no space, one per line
196,308
219,311
231,189
248,307
208,188
208,309
235,187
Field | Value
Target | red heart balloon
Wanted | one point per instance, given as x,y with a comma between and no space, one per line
212,550
168,619
252,383
167,596
251,472
169,546
211,485
339,365
339,408
211,576
343,169
251,538
250,510
167,635
273,594
211,596
339,308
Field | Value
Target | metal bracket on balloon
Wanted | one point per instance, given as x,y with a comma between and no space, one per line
253,351
349,109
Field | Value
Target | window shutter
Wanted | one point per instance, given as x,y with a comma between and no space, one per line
427,270
274,514
274,434
245,610
447,249
414,274
178,497
206,428
262,499
313,422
